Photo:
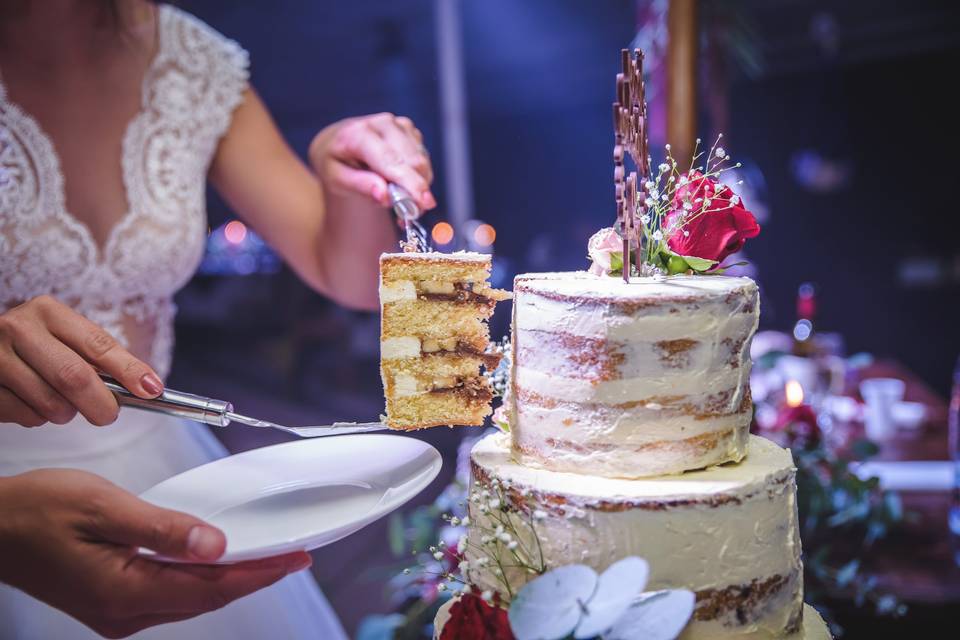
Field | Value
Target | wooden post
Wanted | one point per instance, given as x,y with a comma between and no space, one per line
682,49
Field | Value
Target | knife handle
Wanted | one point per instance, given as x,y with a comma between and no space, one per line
174,403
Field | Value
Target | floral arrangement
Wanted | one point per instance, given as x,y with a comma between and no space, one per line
503,551
688,221
500,587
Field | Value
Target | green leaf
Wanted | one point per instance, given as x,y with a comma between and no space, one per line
863,449
699,264
616,261
676,264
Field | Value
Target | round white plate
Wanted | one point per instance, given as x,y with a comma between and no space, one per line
300,495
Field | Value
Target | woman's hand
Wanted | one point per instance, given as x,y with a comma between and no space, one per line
328,221
48,356
358,156
70,539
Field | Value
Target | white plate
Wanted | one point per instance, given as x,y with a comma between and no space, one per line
300,495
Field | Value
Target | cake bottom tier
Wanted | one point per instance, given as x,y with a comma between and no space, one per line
729,533
812,628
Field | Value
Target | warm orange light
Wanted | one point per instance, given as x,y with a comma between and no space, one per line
235,232
442,233
794,393
484,235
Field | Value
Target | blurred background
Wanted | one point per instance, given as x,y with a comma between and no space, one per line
841,113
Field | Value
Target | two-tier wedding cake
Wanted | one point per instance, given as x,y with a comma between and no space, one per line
629,410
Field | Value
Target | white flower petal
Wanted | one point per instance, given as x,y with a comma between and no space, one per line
617,588
656,616
548,607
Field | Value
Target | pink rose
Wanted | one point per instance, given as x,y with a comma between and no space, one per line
715,233
601,246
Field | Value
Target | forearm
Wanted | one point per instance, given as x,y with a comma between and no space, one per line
355,232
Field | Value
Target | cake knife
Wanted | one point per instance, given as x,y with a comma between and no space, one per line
407,210
219,413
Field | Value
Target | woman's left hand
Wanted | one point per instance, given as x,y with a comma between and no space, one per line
358,156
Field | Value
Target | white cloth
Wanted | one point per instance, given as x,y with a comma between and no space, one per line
194,83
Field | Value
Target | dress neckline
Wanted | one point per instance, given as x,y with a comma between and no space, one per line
97,252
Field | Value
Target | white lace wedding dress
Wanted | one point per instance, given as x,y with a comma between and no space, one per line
189,93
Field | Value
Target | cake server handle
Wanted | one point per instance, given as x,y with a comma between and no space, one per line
219,413
407,210
174,403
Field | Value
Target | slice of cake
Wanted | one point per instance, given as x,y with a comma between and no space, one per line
434,337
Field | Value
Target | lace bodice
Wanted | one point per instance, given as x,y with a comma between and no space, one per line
195,81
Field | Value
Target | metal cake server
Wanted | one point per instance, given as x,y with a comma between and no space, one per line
219,413
408,211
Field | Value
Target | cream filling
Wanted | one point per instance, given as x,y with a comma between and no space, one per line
628,428
397,291
637,358
712,318
405,386
401,347
681,383
627,464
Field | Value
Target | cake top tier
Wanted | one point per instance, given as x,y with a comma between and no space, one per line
585,287
765,462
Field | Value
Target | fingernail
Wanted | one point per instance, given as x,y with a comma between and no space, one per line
301,564
377,193
151,384
429,199
203,542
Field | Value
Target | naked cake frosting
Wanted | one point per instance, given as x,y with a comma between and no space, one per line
631,379
728,533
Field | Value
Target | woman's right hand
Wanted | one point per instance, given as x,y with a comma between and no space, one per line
49,356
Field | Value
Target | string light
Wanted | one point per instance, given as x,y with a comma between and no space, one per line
442,233
484,235
235,232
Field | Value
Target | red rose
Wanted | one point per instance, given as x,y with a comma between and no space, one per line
471,618
721,229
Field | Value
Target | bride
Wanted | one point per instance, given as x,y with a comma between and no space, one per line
113,115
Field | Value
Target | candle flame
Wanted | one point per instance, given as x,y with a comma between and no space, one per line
794,393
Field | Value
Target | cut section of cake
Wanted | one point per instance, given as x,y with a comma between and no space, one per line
434,338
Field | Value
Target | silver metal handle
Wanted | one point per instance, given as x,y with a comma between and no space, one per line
174,403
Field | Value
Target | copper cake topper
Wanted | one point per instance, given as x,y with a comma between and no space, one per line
630,136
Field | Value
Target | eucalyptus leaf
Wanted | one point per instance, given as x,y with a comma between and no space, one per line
550,606
617,588
661,615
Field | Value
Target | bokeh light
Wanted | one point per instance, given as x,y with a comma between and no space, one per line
235,232
442,233
484,235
